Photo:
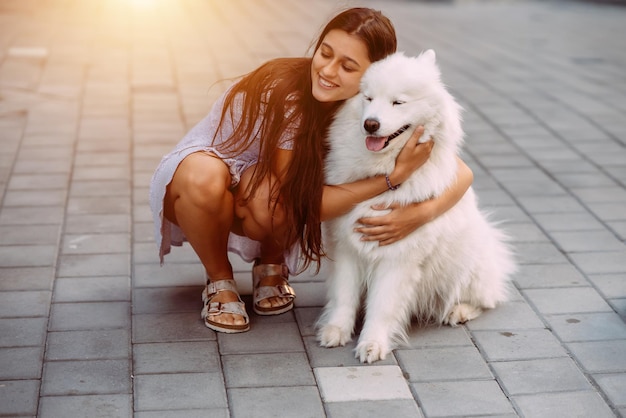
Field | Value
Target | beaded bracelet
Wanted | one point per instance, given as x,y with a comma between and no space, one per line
391,186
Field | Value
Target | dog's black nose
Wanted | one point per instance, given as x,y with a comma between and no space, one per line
371,125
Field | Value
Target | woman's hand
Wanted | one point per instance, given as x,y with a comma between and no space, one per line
399,222
412,156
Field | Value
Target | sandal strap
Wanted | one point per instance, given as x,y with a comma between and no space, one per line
281,290
217,308
217,286
263,270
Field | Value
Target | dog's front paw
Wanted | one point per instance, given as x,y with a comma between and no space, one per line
333,336
371,351
462,313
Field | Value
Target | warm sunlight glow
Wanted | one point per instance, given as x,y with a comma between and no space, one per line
143,4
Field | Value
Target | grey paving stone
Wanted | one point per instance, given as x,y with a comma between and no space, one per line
289,402
95,205
609,285
506,215
569,404
619,228
24,304
23,332
600,262
362,383
438,336
110,172
608,211
147,253
443,363
524,232
19,397
469,398
26,278
307,319
588,327
93,315
187,326
568,221
612,386
45,215
167,299
92,289
374,409
85,265
94,377
152,275
620,307
21,363
263,338
97,187
556,204
212,412
29,234
517,314
143,231
518,345
36,166
176,357
532,276
101,223
99,344
540,376
579,241
179,391
96,243
538,253
309,294
38,181
27,255
567,300
582,183
102,159
266,370
97,406
600,356
534,188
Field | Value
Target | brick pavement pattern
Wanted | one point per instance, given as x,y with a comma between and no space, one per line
94,92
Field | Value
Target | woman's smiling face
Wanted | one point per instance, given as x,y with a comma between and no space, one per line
337,66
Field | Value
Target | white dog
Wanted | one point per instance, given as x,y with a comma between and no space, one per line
448,270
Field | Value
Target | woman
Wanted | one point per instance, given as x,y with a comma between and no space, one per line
249,177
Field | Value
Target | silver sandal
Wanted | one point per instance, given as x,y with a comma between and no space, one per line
283,290
217,308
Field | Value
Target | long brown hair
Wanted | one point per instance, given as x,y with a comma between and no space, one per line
279,95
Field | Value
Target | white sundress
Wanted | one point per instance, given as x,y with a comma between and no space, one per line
200,138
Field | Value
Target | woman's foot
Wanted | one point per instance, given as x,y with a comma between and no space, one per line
223,309
272,293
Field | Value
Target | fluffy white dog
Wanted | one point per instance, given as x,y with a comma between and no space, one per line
448,270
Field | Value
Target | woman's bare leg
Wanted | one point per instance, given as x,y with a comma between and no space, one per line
260,223
199,201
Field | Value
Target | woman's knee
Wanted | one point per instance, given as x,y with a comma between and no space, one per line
202,180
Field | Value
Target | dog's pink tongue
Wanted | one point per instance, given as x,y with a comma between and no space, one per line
375,143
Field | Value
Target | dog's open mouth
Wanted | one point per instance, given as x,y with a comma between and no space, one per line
376,143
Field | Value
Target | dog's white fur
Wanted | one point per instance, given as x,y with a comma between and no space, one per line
448,270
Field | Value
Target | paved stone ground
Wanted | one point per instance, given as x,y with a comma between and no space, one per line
94,92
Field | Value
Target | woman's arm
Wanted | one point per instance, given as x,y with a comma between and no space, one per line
402,220
339,199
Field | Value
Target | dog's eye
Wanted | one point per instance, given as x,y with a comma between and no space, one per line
397,102
367,98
